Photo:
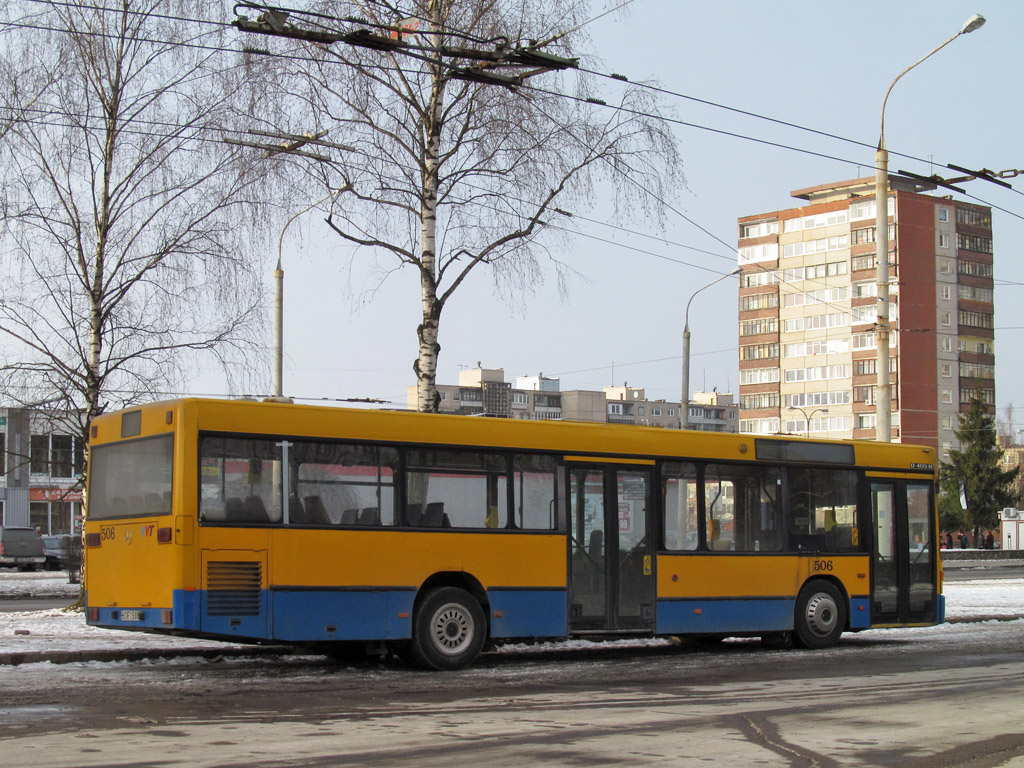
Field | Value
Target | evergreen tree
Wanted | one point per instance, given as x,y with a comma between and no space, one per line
976,466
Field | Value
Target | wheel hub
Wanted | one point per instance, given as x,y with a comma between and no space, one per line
822,614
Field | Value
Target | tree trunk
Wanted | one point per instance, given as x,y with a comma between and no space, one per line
427,399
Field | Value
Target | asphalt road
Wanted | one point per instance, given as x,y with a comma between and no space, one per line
937,697
34,604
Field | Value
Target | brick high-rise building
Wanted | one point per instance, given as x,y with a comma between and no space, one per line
807,308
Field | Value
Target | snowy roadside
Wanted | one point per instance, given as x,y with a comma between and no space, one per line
61,631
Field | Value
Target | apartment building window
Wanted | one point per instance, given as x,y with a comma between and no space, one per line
757,327
945,267
760,229
947,343
759,376
973,217
943,214
760,426
947,319
520,398
671,411
975,243
759,351
864,395
56,455
751,254
866,209
943,240
811,399
861,263
988,396
614,409
947,422
867,367
866,420
947,396
755,278
759,301
947,292
975,319
760,400
977,370
974,293
947,370
973,268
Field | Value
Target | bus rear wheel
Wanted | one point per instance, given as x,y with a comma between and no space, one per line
448,630
820,615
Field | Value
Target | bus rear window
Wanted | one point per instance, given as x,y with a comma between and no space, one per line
131,479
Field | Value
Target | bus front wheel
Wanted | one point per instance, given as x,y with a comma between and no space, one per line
448,630
820,615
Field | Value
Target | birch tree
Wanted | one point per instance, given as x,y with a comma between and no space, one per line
129,226
451,175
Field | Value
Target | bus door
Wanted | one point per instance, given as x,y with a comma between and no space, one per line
611,549
903,555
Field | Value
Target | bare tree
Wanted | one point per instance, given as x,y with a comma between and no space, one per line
130,226
451,172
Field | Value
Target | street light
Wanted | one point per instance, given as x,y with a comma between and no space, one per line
807,419
279,298
883,398
684,406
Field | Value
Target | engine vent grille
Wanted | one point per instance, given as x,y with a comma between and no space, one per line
233,588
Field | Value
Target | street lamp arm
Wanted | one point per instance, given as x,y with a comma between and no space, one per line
686,318
969,26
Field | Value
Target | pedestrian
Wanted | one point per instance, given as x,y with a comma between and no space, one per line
949,539
962,539
990,541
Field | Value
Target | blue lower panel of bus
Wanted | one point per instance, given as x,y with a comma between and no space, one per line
326,615
758,614
528,612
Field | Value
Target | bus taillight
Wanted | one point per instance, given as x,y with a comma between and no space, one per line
164,535
92,539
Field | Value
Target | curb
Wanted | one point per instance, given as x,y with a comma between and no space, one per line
140,654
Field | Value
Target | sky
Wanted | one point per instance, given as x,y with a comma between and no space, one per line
824,66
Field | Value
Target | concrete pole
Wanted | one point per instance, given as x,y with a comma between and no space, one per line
883,396
278,330
684,406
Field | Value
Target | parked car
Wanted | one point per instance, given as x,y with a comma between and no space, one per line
64,553
21,548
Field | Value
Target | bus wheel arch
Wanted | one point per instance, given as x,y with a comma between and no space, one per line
449,623
821,614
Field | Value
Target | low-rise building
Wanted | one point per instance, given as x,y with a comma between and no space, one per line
42,458
484,392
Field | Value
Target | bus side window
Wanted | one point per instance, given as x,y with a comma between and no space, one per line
343,484
679,503
823,510
534,493
472,488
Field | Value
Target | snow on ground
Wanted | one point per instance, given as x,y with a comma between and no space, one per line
63,630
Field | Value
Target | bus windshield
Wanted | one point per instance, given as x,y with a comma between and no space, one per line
131,479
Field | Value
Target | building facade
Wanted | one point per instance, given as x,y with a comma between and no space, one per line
807,312
484,392
41,464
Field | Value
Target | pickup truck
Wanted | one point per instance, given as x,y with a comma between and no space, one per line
21,548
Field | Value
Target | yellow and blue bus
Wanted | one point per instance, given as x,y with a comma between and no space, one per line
435,536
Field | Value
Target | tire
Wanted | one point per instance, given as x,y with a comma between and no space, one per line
448,630
820,615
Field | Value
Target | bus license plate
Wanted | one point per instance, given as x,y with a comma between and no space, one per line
131,615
